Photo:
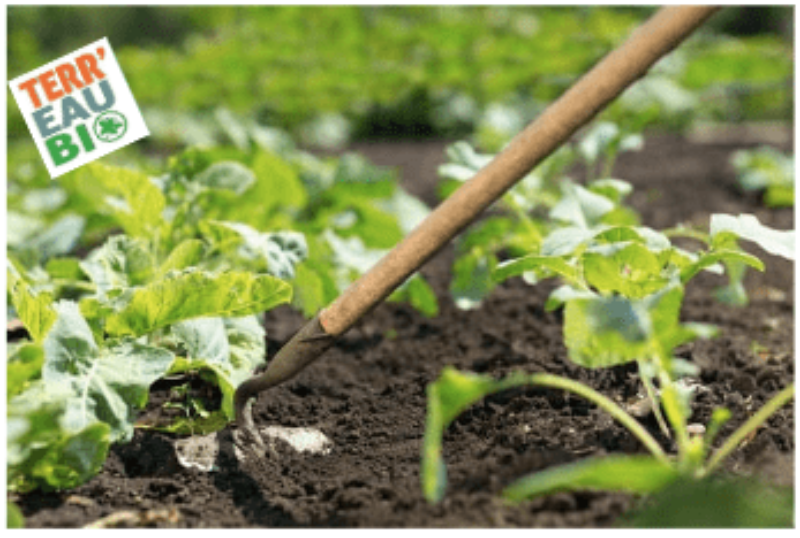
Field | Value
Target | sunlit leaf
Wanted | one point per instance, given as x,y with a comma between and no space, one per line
34,309
227,175
130,197
544,266
194,294
635,474
121,262
106,383
777,242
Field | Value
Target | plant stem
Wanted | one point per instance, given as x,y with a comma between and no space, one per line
608,406
608,167
672,408
654,402
777,401
526,220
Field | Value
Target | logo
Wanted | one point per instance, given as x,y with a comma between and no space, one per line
110,126
79,108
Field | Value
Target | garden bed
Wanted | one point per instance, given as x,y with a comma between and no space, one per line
368,393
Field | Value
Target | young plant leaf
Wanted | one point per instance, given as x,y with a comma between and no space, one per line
472,279
106,383
24,365
606,331
408,210
448,397
543,266
418,293
580,207
129,197
41,452
122,262
186,254
278,253
734,292
613,189
768,169
632,271
565,293
618,234
598,140
58,239
34,309
726,255
776,242
564,241
635,474
194,294
64,268
352,258
14,517
376,227
727,503
226,175
231,348
309,291
464,162
21,228
278,183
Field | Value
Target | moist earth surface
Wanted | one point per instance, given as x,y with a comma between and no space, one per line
367,394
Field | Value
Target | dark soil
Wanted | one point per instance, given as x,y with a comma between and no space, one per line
368,393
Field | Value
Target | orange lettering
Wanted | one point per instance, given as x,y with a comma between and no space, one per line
88,67
51,89
68,77
29,87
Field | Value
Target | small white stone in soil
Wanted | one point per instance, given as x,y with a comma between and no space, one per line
198,451
201,452
301,439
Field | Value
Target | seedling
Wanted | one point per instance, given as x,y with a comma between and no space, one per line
622,303
769,171
155,300
455,391
545,191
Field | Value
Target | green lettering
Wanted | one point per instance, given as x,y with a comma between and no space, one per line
86,138
61,148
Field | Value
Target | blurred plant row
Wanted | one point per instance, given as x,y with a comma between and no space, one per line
329,74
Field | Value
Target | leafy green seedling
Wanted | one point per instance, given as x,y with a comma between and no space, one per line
769,171
544,192
600,146
178,291
153,301
293,190
622,299
725,231
455,391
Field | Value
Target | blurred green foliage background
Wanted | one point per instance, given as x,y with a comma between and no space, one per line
410,70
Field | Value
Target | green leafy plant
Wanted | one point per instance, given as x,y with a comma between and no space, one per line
622,298
152,301
261,181
541,202
766,170
177,289
350,211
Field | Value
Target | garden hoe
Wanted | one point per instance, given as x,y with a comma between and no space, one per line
576,107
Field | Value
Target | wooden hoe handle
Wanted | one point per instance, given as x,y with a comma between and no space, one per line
590,94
